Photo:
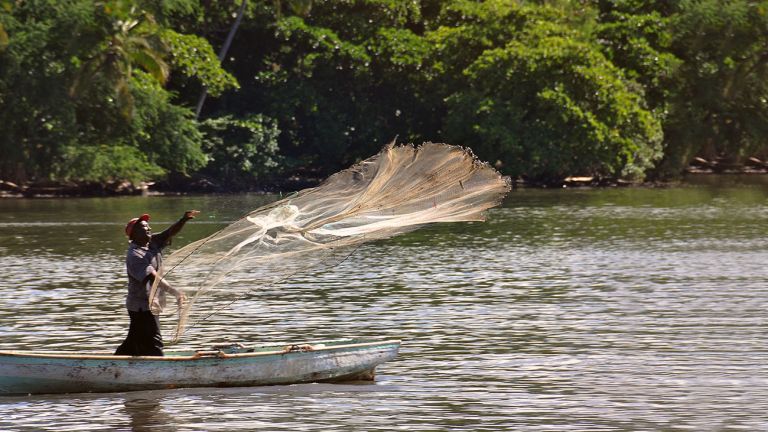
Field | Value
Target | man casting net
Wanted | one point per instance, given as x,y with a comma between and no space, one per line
396,191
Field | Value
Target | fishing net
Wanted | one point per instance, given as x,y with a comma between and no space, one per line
396,191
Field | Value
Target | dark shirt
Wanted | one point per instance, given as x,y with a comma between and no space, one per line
139,261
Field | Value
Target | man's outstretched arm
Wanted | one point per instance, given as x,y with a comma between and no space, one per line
174,229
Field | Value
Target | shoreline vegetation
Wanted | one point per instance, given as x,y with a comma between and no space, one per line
124,97
191,185
696,173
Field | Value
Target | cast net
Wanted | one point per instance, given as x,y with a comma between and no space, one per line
394,192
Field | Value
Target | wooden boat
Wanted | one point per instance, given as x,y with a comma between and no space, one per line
33,372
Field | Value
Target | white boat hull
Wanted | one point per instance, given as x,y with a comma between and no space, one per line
48,372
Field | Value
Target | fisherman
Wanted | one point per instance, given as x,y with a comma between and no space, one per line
142,261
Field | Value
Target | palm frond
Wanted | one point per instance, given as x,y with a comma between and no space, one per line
153,64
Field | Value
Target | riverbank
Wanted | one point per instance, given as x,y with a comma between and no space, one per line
170,186
695,175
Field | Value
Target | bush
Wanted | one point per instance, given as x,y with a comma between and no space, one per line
168,134
101,163
548,106
240,150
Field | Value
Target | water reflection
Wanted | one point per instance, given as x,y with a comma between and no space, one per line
146,413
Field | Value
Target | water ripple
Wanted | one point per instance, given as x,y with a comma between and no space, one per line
597,310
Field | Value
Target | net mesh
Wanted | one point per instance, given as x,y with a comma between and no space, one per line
396,191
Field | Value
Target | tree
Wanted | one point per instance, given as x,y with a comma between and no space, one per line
133,38
69,79
36,114
720,104
703,66
240,150
531,93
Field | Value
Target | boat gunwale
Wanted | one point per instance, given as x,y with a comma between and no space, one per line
197,355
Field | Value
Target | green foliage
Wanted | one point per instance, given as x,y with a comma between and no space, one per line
549,107
35,112
704,67
549,88
524,88
314,89
83,74
722,85
104,163
241,150
131,39
194,57
168,134
3,38
640,45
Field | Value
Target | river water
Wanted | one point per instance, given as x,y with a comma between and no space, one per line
598,310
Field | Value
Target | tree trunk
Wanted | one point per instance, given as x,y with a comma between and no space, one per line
222,53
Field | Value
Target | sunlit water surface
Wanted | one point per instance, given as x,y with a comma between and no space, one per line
632,309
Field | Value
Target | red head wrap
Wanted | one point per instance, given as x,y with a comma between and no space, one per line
132,222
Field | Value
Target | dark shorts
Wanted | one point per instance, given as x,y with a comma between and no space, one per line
144,337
